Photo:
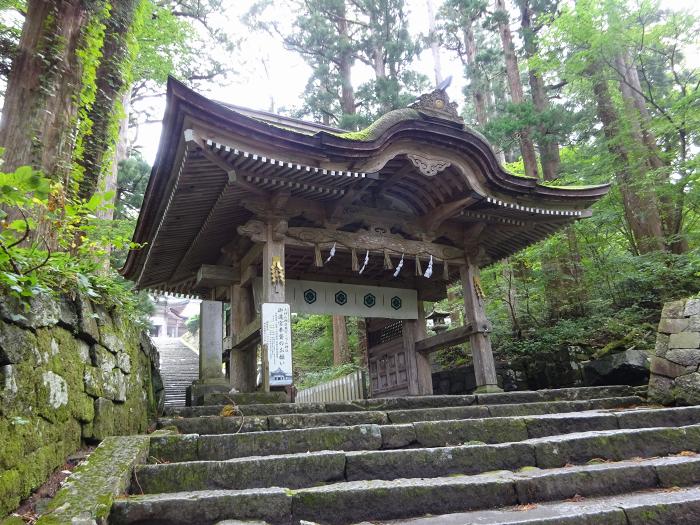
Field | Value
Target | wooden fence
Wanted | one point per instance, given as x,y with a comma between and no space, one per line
346,388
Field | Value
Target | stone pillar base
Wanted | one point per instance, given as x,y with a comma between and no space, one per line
488,389
246,398
196,394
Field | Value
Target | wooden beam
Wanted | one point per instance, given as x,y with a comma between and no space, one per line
440,214
247,336
472,235
211,276
362,241
445,339
350,196
321,214
406,168
251,257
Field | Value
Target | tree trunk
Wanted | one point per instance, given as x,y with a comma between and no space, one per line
578,293
362,344
97,162
347,93
671,203
341,349
511,298
549,149
527,148
474,77
640,203
42,96
434,44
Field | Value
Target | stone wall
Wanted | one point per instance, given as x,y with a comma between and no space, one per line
675,378
71,373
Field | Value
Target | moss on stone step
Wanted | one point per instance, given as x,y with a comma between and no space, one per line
90,491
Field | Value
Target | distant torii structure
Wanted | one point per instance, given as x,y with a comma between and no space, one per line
276,215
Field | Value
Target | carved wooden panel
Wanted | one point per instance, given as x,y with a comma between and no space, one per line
387,369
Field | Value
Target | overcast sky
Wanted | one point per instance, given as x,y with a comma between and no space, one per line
271,73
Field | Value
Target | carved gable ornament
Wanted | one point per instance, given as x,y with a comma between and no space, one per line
427,166
437,104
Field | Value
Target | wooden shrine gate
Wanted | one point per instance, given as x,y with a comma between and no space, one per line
414,202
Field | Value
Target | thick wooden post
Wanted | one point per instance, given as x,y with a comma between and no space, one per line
425,371
273,254
420,382
273,285
243,361
480,341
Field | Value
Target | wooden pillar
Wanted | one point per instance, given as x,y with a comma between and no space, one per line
420,382
243,365
425,371
408,329
479,340
273,291
273,253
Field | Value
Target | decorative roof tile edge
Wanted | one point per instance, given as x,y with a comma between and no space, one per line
528,209
262,159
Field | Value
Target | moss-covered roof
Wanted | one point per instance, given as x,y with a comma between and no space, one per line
379,126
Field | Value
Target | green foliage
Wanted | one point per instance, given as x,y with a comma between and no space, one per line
312,337
89,56
332,36
28,267
192,324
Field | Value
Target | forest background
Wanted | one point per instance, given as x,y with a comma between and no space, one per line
571,92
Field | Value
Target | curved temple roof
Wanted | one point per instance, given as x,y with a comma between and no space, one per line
416,173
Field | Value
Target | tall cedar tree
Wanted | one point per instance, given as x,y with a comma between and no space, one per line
530,25
527,146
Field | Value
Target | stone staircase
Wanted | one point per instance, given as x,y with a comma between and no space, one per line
179,366
584,456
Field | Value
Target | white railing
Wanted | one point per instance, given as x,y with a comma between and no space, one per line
346,388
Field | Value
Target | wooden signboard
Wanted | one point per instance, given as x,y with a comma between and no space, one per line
277,338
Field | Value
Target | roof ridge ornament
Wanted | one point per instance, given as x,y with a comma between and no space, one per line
437,103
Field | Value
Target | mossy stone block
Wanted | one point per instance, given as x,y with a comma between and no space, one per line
90,491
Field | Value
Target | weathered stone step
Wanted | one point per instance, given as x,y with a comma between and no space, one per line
219,447
663,506
415,402
308,469
235,424
350,502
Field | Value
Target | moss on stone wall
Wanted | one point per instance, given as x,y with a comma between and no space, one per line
71,373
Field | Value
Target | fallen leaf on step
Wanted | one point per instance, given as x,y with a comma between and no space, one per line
228,411
523,508
687,453
576,498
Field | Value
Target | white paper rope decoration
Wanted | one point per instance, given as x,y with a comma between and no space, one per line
398,267
332,254
364,264
429,270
